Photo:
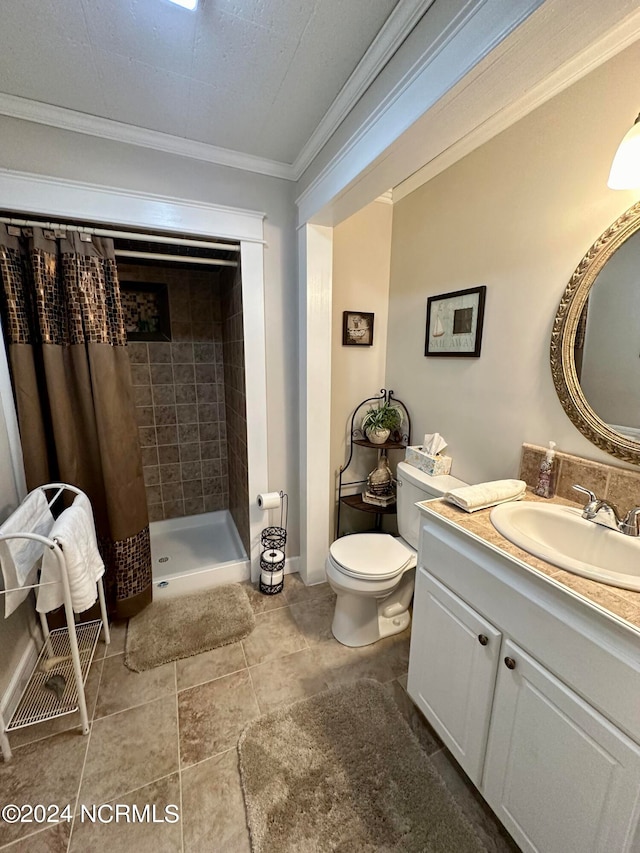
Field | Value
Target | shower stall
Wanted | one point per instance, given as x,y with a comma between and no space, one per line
183,310
184,322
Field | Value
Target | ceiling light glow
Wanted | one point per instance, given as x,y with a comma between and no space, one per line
186,4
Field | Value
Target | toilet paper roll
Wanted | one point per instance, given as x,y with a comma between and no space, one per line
269,500
272,578
273,557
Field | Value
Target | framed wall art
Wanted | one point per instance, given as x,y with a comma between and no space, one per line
357,329
454,323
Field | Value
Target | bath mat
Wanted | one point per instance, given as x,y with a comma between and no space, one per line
185,626
343,771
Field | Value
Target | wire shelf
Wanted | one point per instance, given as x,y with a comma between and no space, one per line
37,702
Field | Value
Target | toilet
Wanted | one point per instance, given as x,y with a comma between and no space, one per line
373,574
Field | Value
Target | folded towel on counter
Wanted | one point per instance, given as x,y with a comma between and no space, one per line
472,498
75,532
19,557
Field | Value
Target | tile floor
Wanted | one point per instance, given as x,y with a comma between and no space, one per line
168,736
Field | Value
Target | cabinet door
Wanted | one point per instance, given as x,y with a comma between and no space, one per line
559,775
452,670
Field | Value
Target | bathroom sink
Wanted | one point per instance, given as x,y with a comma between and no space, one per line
559,535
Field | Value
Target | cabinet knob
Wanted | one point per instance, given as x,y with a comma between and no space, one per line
509,663
483,639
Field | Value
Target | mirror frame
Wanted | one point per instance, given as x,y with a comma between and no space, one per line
563,336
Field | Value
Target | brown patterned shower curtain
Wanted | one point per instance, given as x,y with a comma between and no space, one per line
66,341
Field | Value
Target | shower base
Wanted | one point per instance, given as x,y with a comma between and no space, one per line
196,552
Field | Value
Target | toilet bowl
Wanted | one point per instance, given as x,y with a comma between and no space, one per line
373,574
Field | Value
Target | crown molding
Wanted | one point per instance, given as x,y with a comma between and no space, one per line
395,30
473,29
621,36
104,128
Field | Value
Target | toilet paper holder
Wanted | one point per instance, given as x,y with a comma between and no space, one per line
272,559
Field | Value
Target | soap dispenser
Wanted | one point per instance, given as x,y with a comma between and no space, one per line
546,487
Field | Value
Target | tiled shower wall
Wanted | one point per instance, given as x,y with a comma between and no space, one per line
180,396
236,406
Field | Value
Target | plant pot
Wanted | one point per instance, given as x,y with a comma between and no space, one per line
378,436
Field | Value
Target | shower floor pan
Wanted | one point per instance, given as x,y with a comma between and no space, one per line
196,552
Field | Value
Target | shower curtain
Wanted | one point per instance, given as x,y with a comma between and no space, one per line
64,330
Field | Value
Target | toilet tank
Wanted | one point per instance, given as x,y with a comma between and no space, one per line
413,486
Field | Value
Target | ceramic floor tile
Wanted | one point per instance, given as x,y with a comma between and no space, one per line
209,665
130,749
314,618
147,836
212,716
46,772
213,812
342,664
275,635
52,840
263,603
118,637
62,724
394,651
285,680
429,740
120,688
296,590
486,824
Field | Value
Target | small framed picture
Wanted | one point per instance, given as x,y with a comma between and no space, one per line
454,323
357,329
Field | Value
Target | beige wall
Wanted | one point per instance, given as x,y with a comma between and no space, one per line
516,215
361,257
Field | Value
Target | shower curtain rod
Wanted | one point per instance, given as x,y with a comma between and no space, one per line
125,235
183,259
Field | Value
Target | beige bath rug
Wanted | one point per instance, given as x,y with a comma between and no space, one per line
185,626
342,771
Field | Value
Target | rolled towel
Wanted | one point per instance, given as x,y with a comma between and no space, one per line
75,532
472,498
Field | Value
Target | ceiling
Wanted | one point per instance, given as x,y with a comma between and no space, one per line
253,76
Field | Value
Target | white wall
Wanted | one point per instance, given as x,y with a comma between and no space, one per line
516,215
611,360
361,263
51,152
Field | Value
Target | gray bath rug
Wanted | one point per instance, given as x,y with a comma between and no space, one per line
181,627
342,771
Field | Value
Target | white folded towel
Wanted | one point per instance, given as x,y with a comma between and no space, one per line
74,531
19,557
472,498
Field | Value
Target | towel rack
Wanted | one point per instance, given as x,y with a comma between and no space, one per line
73,647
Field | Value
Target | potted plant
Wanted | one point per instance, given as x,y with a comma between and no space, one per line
379,422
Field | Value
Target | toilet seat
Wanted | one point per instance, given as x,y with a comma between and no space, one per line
377,556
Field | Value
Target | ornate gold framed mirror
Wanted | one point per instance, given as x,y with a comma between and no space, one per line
595,343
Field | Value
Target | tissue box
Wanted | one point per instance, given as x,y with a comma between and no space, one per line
433,465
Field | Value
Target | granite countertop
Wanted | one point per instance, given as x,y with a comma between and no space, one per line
622,603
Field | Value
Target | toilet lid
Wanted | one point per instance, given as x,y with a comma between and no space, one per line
374,555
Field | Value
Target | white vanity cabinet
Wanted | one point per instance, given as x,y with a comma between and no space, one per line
536,695
453,683
558,774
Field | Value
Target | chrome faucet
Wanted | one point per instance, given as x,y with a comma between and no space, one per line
631,523
602,512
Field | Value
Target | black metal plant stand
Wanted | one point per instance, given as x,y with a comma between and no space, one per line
396,441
